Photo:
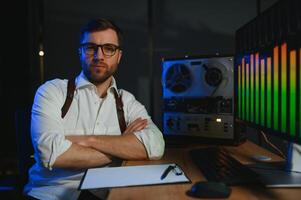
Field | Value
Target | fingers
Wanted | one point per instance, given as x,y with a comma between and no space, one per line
139,125
78,139
136,125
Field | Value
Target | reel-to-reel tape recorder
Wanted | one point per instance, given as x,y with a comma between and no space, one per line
198,96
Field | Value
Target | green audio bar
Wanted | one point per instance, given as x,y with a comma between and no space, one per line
239,91
283,86
243,88
262,92
247,92
276,87
257,88
293,91
252,87
269,92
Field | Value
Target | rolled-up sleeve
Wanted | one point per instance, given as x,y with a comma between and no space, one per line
153,140
151,137
46,125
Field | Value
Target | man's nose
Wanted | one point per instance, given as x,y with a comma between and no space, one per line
99,54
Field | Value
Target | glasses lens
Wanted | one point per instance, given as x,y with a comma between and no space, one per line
109,49
89,49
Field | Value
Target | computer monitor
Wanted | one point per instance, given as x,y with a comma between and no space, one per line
268,83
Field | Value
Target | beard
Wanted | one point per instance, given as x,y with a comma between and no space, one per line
98,72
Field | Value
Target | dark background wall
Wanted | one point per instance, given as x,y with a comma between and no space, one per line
153,29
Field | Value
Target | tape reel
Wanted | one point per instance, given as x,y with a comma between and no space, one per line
198,77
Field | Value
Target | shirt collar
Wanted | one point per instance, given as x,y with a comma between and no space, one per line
113,86
82,81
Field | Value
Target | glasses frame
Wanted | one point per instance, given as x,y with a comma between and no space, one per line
96,48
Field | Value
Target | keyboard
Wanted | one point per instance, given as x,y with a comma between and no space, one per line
217,165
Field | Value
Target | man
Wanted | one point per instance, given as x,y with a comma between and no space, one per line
89,134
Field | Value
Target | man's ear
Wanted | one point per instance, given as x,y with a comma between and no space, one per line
119,56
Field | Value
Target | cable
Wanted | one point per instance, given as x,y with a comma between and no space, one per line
272,145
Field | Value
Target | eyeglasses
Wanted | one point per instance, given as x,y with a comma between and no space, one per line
91,49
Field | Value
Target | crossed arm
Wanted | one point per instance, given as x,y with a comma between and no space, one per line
97,150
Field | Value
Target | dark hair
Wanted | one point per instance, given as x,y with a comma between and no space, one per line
100,25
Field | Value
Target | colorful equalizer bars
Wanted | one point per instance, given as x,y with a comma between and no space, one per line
269,89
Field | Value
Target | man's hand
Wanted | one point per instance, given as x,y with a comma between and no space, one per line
136,125
82,140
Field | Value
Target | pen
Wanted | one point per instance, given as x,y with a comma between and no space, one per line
167,170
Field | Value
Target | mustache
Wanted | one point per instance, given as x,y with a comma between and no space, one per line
98,63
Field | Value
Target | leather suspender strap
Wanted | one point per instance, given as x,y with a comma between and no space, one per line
120,112
69,97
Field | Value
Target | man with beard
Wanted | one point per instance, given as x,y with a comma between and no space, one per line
89,133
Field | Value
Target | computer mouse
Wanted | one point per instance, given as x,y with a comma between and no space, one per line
203,189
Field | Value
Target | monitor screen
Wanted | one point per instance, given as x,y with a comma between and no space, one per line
268,85
268,72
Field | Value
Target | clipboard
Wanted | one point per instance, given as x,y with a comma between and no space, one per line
125,176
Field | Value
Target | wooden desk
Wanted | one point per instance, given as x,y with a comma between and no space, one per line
177,191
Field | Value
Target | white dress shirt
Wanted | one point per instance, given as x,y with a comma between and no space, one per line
88,115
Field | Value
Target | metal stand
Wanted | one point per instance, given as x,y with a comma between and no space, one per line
293,161
285,174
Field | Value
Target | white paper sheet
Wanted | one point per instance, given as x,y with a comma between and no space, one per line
110,177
